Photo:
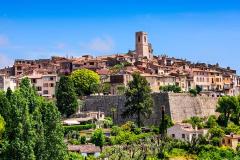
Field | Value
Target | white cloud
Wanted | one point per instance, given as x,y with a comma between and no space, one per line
5,61
3,40
100,44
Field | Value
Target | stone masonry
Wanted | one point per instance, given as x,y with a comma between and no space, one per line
179,106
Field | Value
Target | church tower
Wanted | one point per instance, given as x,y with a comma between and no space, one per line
143,48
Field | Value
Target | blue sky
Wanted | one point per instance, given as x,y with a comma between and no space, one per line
198,30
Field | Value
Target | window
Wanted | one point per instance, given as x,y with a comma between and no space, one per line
34,81
51,78
45,85
229,141
223,141
173,135
145,39
39,88
139,38
51,84
19,68
183,136
91,63
45,92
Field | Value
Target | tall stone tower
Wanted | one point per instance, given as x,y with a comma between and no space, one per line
143,48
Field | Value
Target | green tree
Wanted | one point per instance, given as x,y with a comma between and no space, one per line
139,102
121,89
226,106
29,93
98,138
9,93
193,92
165,124
170,88
19,132
211,122
106,88
53,132
216,132
195,122
66,97
198,89
235,116
2,127
83,79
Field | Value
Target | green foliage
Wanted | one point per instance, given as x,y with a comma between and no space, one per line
115,130
127,137
75,156
165,124
170,88
193,92
33,129
215,153
211,121
195,122
68,129
98,138
139,102
108,122
66,98
198,89
232,128
216,132
83,79
106,88
2,126
128,126
228,107
121,89
83,140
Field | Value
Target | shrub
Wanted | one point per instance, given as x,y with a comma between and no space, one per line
193,92
68,129
74,141
83,140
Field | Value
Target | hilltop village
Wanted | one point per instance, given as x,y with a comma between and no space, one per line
116,70
123,106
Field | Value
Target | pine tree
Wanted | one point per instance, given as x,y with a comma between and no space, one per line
138,99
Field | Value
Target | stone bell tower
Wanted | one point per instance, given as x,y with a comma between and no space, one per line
143,48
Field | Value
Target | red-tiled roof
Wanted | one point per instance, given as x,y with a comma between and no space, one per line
88,148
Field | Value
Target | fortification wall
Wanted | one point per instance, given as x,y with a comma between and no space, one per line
179,106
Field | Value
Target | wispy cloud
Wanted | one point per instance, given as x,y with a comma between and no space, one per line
4,41
5,61
99,44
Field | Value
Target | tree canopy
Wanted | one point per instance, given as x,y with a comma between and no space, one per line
83,79
170,88
139,102
66,97
33,129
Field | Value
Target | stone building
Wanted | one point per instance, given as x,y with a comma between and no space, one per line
143,47
6,82
185,132
231,140
44,84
